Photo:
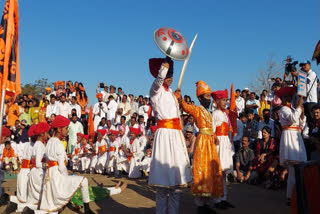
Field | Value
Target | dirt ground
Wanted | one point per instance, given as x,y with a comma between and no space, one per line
140,198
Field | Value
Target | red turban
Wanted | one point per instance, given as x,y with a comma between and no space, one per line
154,128
85,136
220,94
135,130
286,91
92,134
80,134
41,127
99,95
31,130
5,132
114,132
60,121
102,131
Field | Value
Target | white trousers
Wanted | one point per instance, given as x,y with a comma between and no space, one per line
291,180
85,191
114,191
13,160
165,204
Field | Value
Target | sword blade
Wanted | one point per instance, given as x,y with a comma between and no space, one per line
184,67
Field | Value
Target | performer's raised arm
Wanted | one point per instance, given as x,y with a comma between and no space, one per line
161,69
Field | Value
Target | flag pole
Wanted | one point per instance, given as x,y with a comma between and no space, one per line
3,94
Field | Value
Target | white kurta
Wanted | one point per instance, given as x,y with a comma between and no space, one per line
225,149
134,164
23,176
170,162
74,128
291,144
122,159
94,158
102,157
112,156
36,175
96,110
63,109
75,157
85,157
60,187
112,108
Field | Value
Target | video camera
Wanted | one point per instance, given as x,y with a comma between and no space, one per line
290,66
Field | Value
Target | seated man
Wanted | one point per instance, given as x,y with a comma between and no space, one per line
244,158
9,156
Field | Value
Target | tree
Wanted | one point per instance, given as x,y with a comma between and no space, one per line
262,80
37,88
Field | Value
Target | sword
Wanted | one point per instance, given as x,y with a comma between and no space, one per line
184,67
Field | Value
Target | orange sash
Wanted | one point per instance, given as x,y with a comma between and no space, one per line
103,148
129,158
51,164
169,123
112,149
25,164
76,151
291,128
223,129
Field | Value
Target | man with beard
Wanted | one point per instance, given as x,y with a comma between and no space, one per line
207,174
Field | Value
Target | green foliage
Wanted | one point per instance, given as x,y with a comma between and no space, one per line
37,88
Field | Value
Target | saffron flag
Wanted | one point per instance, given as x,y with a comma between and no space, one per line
233,112
9,49
90,122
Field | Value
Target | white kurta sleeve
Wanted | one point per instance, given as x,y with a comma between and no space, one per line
61,158
293,117
158,81
96,109
39,155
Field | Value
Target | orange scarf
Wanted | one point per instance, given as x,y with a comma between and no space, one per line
8,153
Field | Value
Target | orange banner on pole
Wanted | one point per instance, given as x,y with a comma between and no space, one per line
233,112
9,49
90,122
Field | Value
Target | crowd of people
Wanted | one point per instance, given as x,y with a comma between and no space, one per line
125,126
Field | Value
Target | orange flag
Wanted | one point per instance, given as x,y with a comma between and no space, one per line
233,112
90,122
9,49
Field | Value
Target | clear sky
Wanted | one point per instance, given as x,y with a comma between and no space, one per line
96,41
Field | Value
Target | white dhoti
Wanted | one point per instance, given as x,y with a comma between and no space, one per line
134,168
101,163
170,162
225,153
22,185
85,163
94,161
35,185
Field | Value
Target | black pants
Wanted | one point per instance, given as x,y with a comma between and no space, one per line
308,110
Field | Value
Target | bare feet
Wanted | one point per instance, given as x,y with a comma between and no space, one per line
124,186
118,184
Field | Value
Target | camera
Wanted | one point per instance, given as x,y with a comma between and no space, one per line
290,66
101,105
101,85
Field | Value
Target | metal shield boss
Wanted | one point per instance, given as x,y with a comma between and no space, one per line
171,43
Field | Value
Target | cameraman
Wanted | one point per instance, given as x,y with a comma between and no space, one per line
312,96
99,111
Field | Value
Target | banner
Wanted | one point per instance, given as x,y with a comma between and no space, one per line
9,49
302,83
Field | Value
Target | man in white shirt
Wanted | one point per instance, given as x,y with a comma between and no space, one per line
74,127
143,109
134,105
125,106
52,107
267,121
63,107
312,96
112,109
75,105
240,103
99,110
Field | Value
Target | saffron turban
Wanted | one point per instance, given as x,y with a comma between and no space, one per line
202,88
48,89
99,95
220,94
82,89
286,91
60,121
5,132
135,130
41,128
